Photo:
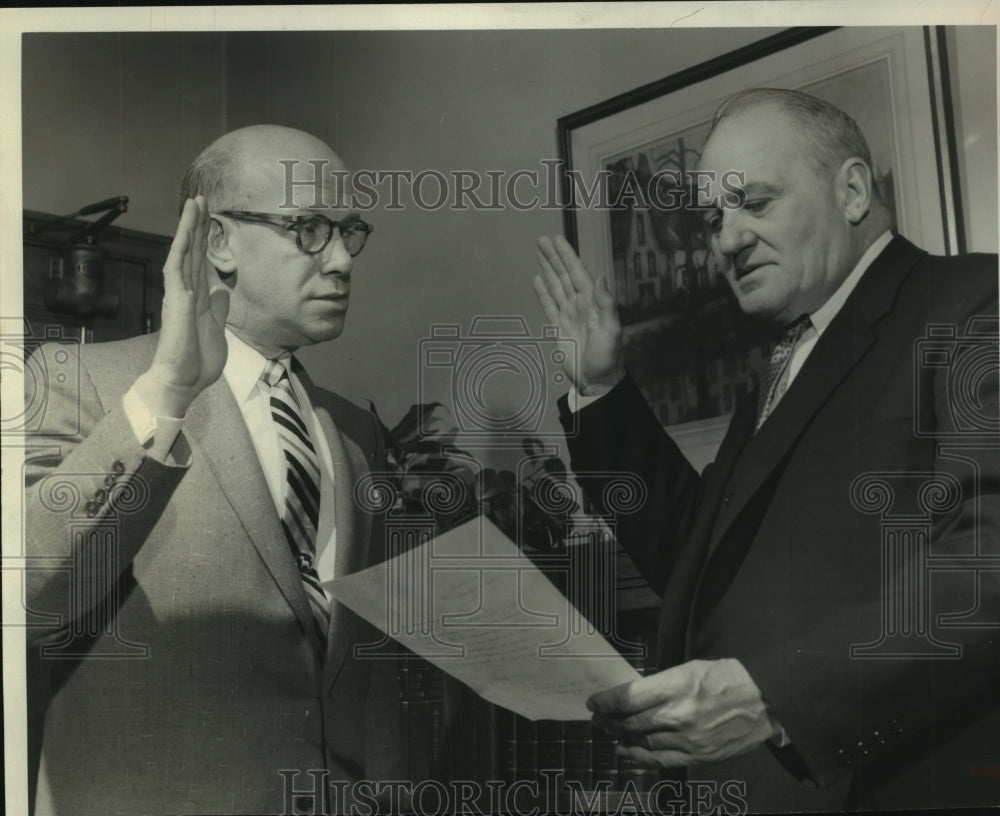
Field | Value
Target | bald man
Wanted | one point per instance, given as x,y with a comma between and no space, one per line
189,504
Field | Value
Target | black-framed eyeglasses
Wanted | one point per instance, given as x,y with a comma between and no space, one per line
312,232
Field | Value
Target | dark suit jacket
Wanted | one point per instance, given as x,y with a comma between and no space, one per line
174,662
772,557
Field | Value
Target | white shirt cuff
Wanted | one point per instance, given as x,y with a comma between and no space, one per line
147,427
576,400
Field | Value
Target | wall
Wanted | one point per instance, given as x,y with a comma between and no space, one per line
111,114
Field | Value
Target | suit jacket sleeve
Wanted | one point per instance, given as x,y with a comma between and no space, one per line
92,496
619,434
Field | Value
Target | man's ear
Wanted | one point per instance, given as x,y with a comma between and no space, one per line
220,254
856,185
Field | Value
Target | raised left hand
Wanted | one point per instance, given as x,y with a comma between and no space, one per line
700,712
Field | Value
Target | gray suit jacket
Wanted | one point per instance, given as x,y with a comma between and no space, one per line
173,661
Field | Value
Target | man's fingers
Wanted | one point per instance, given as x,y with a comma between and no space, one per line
602,296
545,301
633,726
579,276
173,268
553,282
548,251
639,694
654,759
199,280
189,222
617,700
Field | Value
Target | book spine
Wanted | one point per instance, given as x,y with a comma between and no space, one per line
551,745
507,746
423,711
578,754
527,749
604,760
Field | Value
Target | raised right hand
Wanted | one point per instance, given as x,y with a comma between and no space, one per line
586,315
191,351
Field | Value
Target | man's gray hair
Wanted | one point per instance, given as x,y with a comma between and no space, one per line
211,175
833,136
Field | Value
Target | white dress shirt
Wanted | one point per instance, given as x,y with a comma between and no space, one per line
244,366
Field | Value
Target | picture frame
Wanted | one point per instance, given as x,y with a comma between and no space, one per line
686,343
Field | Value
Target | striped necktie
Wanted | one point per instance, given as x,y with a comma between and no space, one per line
768,395
300,515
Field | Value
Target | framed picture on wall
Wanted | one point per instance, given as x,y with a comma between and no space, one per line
686,342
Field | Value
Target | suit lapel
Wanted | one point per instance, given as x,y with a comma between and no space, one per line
838,350
353,528
215,427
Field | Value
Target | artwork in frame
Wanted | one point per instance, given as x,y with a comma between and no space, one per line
686,342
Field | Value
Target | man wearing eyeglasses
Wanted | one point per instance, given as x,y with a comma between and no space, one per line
207,669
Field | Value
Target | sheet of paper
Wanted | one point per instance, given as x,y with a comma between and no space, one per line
472,604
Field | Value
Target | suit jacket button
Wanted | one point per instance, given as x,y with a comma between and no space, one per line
118,467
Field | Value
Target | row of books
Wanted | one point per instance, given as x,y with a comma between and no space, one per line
452,734
583,754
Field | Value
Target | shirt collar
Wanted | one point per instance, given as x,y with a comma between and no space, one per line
824,315
244,365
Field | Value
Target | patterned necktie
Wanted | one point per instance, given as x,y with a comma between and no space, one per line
768,396
300,516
